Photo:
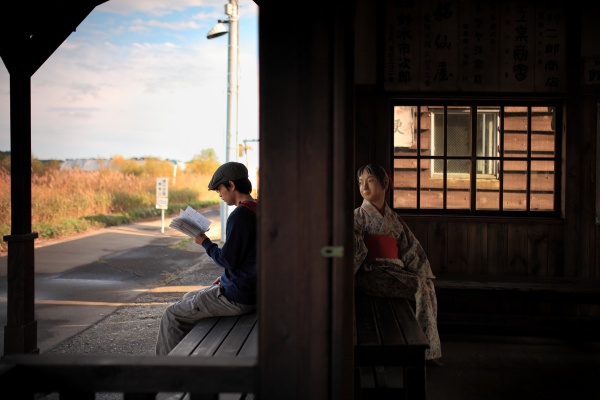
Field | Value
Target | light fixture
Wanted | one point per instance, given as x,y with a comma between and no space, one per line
218,30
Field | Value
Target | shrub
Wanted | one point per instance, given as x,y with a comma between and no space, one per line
68,202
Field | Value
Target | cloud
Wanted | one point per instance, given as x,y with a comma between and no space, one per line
139,78
157,7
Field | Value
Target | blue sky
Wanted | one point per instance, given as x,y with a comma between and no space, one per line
139,78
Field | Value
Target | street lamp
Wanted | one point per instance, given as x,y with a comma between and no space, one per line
220,29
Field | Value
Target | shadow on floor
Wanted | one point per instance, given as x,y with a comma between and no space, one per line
486,367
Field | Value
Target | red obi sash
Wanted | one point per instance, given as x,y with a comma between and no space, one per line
381,246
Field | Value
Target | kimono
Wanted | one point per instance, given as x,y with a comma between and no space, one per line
390,262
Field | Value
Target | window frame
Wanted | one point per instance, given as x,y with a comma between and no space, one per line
530,105
435,113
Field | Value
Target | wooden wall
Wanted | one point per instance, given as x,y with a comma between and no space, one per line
484,248
566,246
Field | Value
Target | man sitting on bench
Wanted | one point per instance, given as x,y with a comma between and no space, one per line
234,292
389,260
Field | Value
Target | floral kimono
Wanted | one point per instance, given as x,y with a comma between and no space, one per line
390,262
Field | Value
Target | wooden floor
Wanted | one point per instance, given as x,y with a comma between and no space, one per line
514,367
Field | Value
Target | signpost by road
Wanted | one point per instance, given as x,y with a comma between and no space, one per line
162,199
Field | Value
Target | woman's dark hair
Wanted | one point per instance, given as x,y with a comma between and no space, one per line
376,170
243,185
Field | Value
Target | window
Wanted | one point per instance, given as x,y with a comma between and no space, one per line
477,158
459,138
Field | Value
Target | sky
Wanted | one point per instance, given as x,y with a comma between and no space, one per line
139,78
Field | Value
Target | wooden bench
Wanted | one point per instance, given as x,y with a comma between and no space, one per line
220,355
234,339
519,305
389,349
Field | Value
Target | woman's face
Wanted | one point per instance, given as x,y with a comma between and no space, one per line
370,188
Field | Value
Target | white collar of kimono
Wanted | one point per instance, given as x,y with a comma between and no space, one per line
371,209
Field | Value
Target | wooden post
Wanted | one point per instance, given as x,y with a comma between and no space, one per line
20,332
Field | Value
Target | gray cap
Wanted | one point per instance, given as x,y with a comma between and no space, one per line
230,171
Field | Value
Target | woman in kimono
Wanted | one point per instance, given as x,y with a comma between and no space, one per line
389,260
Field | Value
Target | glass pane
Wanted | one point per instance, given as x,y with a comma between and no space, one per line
404,128
405,183
459,191
459,131
431,187
459,167
437,132
437,168
515,132
425,132
515,186
487,131
488,191
488,167
542,186
542,132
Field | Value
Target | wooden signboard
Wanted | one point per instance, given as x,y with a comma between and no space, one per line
481,46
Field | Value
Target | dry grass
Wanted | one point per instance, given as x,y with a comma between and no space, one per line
68,202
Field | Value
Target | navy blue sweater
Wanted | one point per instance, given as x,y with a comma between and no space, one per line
238,254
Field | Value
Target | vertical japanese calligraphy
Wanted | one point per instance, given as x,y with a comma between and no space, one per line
479,46
402,45
517,41
449,45
550,49
591,72
439,44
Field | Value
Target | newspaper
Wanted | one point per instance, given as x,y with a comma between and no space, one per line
190,222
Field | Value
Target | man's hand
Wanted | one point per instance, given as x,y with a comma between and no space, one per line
217,281
200,238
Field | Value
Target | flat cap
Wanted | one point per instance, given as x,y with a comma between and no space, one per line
230,171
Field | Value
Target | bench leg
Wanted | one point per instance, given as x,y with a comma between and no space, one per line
357,384
415,385
380,383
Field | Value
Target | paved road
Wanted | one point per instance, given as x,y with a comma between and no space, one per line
80,280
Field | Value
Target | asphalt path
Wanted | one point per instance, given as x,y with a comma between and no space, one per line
80,280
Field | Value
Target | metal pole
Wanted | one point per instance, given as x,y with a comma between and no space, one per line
231,9
232,84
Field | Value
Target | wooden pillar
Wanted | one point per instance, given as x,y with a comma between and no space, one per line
305,216
20,332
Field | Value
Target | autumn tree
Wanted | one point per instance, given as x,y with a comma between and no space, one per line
204,163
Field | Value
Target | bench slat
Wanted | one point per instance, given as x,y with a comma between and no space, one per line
366,326
196,335
235,341
389,348
413,333
390,331
223,338
214,338
250,347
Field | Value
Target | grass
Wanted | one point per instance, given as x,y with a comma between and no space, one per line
182,244
65,203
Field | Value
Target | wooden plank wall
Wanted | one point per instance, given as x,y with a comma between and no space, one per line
568,246
476,247
479,249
